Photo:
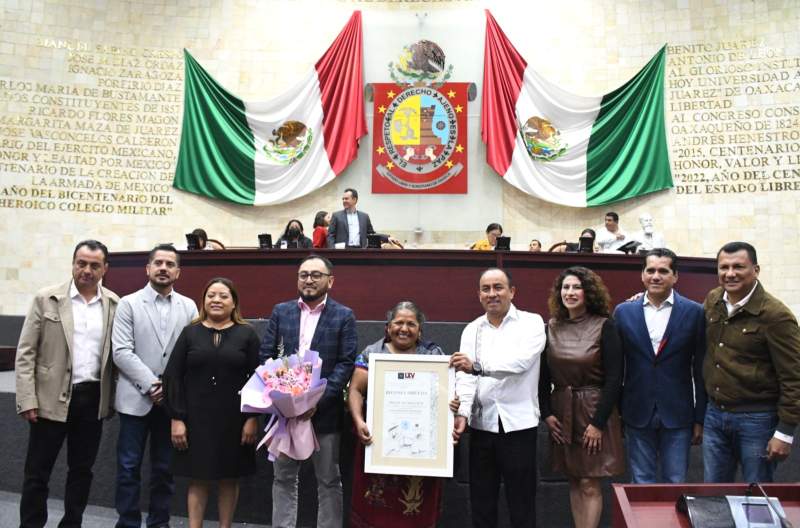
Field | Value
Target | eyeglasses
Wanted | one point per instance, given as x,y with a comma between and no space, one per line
314,275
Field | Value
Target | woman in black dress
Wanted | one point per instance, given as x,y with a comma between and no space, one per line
212,359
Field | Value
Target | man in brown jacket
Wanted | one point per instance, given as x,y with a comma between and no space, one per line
751,371
65,383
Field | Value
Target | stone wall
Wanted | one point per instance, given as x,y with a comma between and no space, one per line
91,101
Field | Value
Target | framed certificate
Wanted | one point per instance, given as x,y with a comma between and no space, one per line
408,415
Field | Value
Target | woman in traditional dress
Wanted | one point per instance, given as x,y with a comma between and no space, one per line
390,501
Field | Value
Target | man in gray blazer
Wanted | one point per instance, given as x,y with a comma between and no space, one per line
146,326
349,226
65,383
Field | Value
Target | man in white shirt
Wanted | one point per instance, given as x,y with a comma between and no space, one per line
497,383
65,382
146,326
610,238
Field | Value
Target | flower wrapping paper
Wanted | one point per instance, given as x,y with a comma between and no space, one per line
285,433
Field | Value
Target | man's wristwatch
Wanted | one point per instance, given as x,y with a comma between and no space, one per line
477,369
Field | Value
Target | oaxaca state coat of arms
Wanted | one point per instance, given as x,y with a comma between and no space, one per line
419,126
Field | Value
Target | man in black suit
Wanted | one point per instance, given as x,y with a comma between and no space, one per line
348,225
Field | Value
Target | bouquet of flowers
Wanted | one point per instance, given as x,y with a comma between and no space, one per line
286,388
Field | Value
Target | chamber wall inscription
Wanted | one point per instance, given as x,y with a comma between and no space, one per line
733,118
105,143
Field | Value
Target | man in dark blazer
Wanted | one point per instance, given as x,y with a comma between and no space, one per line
349,226
663,399
314,322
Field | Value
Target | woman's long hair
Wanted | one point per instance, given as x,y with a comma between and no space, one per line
286,231
595,293
319,219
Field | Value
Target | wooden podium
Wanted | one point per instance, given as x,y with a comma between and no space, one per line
653,505
370,281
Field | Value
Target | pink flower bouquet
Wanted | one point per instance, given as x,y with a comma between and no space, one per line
286,388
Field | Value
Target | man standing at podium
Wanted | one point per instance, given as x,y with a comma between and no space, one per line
610,237
663,399
751,370
314,321
349,226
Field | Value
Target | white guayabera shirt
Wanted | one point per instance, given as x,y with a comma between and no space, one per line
510,357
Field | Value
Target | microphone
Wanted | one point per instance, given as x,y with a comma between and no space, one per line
783,520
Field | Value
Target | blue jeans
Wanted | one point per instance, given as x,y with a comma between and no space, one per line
731,438
133,433
653,444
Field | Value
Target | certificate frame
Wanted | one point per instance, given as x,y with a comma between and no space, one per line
436,375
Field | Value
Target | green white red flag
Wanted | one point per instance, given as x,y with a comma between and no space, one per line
569,149
263,153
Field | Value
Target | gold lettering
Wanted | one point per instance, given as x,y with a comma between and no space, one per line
109,148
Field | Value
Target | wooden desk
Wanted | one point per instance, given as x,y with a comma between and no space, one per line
443,282
653,505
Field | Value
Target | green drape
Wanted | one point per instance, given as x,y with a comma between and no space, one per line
628,154
216,157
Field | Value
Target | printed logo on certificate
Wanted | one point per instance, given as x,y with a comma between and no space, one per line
408,414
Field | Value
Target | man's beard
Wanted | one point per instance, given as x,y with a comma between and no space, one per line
155,282
319,294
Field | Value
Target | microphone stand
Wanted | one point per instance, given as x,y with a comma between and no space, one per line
783,520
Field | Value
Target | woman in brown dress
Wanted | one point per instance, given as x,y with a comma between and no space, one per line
584,362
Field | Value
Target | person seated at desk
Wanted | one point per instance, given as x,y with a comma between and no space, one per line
535,246
575,247
205,242
493,231
293,236
610,237
319,238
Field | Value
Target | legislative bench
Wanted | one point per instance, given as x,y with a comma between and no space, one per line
444,283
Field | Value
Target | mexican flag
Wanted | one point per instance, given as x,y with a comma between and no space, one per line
262,153
569,149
